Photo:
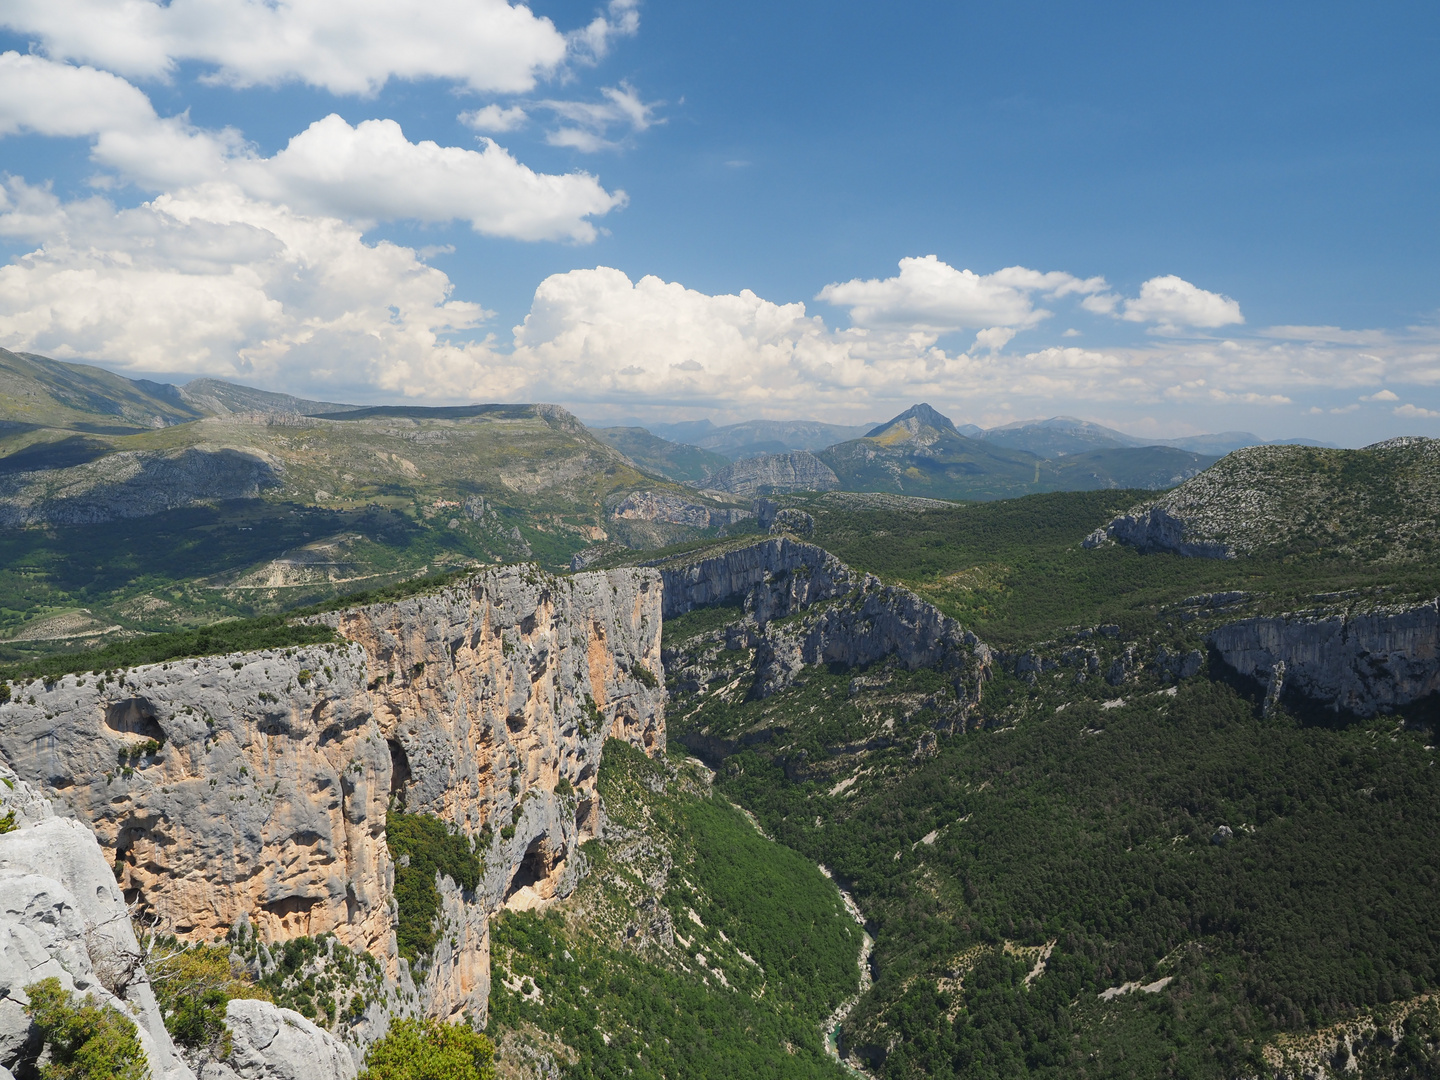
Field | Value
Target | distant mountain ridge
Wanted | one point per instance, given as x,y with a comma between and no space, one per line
1062,435
920,452
38,392
1052,438
752,438
218,398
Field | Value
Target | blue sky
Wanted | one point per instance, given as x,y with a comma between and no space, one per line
1170,220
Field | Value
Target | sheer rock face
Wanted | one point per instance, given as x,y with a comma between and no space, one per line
62,916
845,617
875,621
774,578
1360,663
256,784
769,473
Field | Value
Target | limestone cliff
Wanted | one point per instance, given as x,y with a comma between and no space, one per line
1362,663
843,617
62,916
672,509
771,473
773,578
256,785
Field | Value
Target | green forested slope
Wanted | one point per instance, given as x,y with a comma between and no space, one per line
1062,840
695,947
1091,828
1015,572
675,461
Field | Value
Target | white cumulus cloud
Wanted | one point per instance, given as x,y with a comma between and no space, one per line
343,46
208,280
1415,412
933,295
218,280
495,118
368,171
371,171
1173,302
600,334
46,98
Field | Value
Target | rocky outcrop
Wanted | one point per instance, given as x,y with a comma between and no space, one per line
774,578
1358,663
1380,502
672,509
62,916
270,1043
776,519
774,473
845,617
256,785
874,622
1155,528
134,483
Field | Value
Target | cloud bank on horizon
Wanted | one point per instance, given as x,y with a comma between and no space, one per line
196,252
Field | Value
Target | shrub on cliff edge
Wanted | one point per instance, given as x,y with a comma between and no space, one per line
424,1049
86,1040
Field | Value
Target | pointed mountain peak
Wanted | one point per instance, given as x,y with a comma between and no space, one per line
913,419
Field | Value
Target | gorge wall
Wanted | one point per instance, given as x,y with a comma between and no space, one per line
844,617
255,786
773,578
1360,663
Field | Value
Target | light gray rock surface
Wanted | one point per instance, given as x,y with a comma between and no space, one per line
62,916
672,509
1361,663
873,622
1155,528
845,617
775,473
773,578
271,1043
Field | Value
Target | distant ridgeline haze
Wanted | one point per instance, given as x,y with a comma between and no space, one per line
919,452
131,507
